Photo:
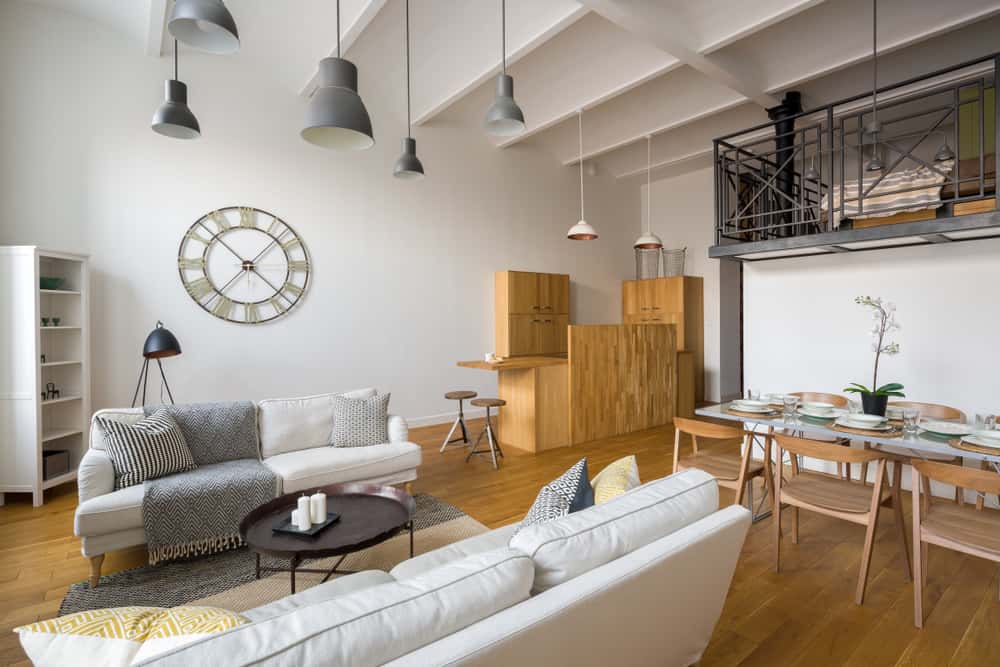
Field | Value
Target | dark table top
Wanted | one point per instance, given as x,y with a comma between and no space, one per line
369,515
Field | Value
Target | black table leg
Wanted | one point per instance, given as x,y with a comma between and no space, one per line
257,571
295,564
411,538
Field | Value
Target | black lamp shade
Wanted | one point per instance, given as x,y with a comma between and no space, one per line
160,343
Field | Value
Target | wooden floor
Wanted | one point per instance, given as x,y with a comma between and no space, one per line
803,616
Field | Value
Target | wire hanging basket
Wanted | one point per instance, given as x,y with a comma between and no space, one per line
673,262
647,263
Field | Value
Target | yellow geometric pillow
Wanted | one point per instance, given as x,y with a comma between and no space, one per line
616,479
121,635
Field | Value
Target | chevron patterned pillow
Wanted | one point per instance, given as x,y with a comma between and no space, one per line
147,449
121,635
569,493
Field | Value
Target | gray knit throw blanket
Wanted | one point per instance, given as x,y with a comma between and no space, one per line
199,512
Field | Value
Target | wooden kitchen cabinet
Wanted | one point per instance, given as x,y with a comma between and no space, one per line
679,301
531,312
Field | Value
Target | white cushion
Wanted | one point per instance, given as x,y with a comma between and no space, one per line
111,512
291,424
95,475
571,545
124,415
450,553
333,465
375,625
351,583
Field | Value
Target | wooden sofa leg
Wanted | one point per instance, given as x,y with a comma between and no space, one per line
95,569
408,487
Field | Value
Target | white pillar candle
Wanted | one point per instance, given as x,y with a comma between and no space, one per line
304,522
295,518
317,503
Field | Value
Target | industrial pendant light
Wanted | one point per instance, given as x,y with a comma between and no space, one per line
874,127
408,165
944,152
204,24
174,118
581,231
336,117
504,117
811,173
649,240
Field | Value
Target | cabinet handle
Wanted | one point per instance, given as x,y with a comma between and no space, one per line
536,307
644,308
546,307
548,321
655,308
536,321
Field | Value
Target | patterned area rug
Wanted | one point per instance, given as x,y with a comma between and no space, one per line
227,580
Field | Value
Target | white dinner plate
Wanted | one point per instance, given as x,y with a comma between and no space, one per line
775,399
945,428
991,436
751,403
741,407
863,420
817,414
842,421
982,442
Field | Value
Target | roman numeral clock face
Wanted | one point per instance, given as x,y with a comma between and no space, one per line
243,265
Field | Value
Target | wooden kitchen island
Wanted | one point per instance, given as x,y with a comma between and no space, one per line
536,388
616,379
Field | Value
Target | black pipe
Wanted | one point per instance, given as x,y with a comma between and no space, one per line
784,144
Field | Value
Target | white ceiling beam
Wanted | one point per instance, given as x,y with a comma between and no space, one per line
368,13
760,24
539,38
156,27
653,22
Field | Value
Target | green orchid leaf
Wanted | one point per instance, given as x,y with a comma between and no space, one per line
892,386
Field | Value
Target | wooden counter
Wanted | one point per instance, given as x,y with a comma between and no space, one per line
536,389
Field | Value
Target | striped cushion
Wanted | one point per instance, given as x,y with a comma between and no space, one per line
150,448
899,191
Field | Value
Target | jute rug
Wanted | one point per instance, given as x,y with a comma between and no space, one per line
227,580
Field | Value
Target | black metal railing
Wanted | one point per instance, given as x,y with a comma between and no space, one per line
936,141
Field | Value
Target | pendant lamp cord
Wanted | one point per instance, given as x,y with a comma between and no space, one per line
503,35
338,28
175,60
649,169
580,114
409,132
874,62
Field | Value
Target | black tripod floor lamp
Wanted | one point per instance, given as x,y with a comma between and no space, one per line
160,343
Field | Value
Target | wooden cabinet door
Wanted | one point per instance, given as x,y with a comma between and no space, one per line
561,334
522,292
523,334
553,293
552,335
630,299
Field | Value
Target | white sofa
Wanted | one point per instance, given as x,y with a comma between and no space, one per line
638,580
294,435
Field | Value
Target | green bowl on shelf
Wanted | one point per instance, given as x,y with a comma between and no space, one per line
51,283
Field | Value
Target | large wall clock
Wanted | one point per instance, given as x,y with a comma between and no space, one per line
243,265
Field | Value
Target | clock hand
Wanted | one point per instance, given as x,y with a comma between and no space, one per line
271,285
218,237
221,290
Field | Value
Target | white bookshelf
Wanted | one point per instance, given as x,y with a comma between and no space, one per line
29,423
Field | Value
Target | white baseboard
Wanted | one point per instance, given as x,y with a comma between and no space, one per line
444,417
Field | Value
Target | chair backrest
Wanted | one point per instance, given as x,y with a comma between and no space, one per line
827,451
933,410
836,400
983,481
701,429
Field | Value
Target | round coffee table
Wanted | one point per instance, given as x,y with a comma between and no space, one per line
369,514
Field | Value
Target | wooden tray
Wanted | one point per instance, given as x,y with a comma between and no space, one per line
285,526
958,443
894,433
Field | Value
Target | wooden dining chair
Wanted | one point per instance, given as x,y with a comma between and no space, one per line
957,527
835,497
731,469
837,401
901,455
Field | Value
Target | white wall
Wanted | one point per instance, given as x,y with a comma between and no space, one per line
683,217
803,330
402,282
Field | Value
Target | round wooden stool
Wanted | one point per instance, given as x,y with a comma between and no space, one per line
459,396
494,449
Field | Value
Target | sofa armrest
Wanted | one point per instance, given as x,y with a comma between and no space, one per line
95,476
398,430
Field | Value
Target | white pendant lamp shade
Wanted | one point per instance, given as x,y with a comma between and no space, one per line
581,231
648,240
504,118
336,117
204,24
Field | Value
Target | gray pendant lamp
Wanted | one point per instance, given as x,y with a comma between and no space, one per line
174,119
504,117
204,24
336,117
408,165
649,240
581,231
874,127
